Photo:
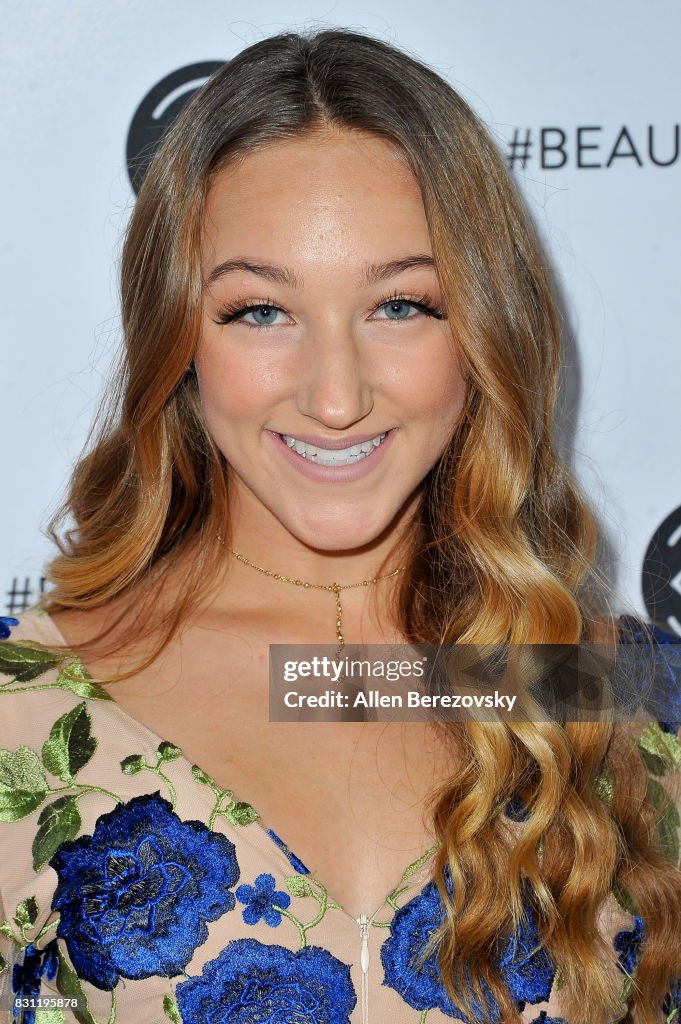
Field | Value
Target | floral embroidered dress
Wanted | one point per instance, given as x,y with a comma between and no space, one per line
136,890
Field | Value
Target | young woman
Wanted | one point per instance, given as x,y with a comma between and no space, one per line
334,423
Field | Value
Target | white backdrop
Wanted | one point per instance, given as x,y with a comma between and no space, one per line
599,83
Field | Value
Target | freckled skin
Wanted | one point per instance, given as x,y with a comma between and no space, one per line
332,362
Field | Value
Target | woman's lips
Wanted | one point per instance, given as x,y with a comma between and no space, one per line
333,444
335,474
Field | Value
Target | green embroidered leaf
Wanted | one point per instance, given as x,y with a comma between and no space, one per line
76,678
668,823
49,1017
604,787
171,1010
558,981
26,913
57,822
624,899
413,868
168,751
625,991
241,813
6,929
23,784
660,750
69,984
206,780
26,663
394,896
4,966
298,885
133,764
19,804
70,745
203,777
668,829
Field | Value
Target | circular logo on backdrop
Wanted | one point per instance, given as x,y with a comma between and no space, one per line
661,580
158,110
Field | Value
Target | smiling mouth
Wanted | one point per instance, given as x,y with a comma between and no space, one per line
334,456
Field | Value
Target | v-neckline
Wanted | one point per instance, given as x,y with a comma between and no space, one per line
267,830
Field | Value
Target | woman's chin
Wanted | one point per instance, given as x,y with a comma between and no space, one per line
337,537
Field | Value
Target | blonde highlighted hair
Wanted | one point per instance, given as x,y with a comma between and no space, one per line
503,548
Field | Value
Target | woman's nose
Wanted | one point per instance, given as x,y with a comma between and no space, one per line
333,384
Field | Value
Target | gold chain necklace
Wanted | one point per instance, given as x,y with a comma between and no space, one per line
333,588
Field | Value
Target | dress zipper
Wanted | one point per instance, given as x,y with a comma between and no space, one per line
364,964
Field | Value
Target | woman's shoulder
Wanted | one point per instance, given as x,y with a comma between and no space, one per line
31,647
40,678
32,624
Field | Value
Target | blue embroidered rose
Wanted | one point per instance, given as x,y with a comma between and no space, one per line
628,944
5,622
672,1001
26,976
410,930
294,861
516,809
527,971
528,975
662,698
260,900
135,896
668,679
543,1018
251,983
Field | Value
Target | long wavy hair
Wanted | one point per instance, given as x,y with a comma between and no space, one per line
502,550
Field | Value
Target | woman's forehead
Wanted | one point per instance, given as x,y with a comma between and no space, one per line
314,162
317,192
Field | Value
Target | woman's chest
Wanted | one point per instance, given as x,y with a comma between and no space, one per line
348,798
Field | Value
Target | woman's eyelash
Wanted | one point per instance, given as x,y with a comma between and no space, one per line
234,311
424,303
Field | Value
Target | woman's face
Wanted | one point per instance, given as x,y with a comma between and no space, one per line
336,392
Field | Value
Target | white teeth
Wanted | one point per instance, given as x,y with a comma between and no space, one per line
333,456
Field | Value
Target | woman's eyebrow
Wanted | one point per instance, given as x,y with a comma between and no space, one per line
280,275
372,273
375,272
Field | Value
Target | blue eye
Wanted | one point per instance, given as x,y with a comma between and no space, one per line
395,306
264,313
268,314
